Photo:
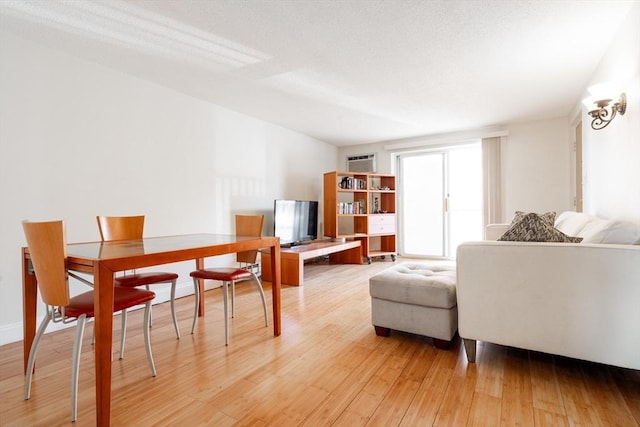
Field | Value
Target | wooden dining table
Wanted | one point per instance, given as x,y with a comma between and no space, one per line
104,259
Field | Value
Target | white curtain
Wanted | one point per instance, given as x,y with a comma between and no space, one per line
491,187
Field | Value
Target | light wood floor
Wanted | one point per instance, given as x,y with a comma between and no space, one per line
327,368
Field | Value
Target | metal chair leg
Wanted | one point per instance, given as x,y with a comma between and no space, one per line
197,297
123,334
151,315
233,299
147,337
173,308
225,287
264,301
75,366
33,352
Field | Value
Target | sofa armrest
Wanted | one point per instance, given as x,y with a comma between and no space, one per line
576,300
494,231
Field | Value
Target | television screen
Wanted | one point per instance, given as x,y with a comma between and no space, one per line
295,221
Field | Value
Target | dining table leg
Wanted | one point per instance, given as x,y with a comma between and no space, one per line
103,305
275,290
29,306
200,266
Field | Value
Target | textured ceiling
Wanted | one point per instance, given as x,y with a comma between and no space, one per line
345,71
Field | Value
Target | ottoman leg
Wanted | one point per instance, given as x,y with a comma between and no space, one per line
441,344
382,331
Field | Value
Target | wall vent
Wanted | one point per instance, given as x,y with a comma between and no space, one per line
361,163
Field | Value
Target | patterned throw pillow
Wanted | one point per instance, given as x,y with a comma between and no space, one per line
533,228
548,217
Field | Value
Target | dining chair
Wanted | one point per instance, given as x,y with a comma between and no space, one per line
131,228
246,225
47,250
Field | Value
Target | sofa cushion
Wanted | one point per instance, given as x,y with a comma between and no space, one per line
599,230
611,232
571,223
533,228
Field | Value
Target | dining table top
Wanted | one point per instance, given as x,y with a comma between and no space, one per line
127,254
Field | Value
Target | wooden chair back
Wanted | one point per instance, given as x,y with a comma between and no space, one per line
120,227
249,225
48,252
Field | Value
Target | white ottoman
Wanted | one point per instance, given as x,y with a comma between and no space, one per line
419,298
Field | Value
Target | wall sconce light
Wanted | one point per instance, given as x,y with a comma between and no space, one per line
604,112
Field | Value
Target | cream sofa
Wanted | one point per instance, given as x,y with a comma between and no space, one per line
580,300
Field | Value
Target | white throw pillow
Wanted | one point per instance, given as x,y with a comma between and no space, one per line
571,223
611,232
595,230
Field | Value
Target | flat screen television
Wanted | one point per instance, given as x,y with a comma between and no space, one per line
295,221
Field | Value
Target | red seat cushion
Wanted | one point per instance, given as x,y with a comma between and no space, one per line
222,274
145,279
122,298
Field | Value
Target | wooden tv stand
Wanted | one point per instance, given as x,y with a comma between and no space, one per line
292,259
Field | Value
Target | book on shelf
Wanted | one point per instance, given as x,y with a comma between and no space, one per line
351,208
352,183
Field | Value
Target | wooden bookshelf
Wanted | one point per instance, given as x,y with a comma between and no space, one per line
362,206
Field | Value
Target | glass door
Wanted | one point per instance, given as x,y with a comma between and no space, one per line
422,203
440,197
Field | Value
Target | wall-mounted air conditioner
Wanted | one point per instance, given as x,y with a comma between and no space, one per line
361,163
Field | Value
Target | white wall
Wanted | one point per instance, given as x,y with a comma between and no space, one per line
611,171
536,167
536,162
79,140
